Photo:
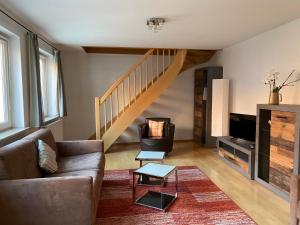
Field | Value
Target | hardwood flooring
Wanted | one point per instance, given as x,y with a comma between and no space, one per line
259,203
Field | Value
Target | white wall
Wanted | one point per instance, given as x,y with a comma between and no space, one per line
89,75
247,63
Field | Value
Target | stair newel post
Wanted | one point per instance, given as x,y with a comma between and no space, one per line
128,89
140,67
152,70
146,65
123,95
105,116
111,109
118,103
169,53
134,83
163,61
98,118
157,69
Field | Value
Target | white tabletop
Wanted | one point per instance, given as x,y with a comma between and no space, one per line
150,155
155,169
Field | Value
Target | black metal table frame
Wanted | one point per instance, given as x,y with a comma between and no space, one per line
163,179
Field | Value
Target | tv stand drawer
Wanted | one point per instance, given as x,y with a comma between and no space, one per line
234,159
238,157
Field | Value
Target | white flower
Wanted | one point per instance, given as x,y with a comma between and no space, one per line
271,77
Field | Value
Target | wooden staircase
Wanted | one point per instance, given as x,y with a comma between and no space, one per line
134,91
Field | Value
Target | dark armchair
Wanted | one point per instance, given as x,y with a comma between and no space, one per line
164,143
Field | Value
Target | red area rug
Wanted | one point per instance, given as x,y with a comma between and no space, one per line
199,201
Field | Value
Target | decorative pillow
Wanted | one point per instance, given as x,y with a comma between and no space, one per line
155,128
47,157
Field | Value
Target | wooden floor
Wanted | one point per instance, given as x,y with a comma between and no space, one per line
259,203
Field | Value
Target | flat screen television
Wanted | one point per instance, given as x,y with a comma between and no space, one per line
242,126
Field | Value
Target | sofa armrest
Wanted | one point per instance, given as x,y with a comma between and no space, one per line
47,201
143,130
294,198
71,148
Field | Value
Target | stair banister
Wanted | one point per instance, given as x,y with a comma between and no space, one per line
128,97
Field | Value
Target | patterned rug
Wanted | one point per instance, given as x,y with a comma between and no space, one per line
199,201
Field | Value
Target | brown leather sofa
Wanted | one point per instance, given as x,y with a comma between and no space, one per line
70,196
164,143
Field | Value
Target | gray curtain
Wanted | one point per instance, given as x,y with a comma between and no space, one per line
35,95
62,107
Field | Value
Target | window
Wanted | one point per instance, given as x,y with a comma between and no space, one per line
48,87
5,117
43,73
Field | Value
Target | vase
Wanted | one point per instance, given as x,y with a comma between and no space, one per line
275,98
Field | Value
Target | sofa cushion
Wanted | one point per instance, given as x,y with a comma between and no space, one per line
81,162
19,160
155,140
95,174
44,135
47,157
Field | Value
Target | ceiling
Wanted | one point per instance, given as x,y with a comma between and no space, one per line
193,24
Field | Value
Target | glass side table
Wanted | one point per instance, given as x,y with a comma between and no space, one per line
149,156
155,199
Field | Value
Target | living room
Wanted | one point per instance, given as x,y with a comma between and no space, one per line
180,112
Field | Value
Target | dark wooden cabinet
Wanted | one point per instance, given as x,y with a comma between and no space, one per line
282,148
277,146
199,106
203,104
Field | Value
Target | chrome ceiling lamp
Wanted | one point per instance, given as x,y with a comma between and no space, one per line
155,23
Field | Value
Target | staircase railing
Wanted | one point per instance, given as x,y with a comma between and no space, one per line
130,86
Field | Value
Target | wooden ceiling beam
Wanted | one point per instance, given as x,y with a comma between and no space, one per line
115,50
194,56
137,51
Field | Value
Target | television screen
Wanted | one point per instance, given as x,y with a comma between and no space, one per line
242,126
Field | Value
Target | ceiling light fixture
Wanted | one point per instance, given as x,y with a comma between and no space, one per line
155,23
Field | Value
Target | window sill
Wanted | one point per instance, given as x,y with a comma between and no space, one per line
13,134
51,119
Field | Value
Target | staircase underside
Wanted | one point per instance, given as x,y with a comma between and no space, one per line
196,57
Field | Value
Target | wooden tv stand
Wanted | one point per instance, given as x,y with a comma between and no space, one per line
237,153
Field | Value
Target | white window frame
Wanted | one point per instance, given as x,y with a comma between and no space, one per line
6,87
44,81
49,99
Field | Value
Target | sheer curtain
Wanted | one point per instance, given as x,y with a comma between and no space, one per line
62,107
35,96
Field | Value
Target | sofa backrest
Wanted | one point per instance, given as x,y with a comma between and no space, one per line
19,160
44,135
